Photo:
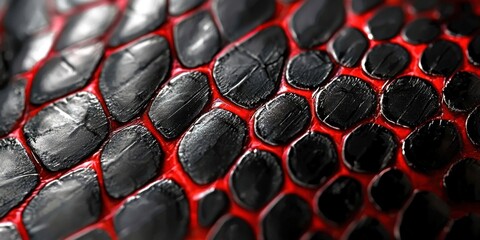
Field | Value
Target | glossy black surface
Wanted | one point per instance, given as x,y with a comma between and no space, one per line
18,176
160,211
421,30
69,71
312,159
369,148
362,6
250,72
238,17
313,13
282,118
348,46
309,69
86,25
232,228
462,92
179,103
131,75
409,101
211,207
340,200
67,131
441,58
345,101
390,190
385,23
64,206
432,146
462,181
176,7
287,218
385,61
424,218
256,179
197,39
12,104
211,145
129,159
139,18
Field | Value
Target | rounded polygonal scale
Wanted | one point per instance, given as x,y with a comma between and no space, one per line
69,71
385,23
18,176
432,146
441,58
140,17
248,73
462,92
312,159
462,181
318,235
287,218
423,218
313,13
256,179
345,101
385,61
232,228
409,101
12,104
159,211
465,22
421,30
74,202
211,145
389,190
130,159
348,46
67,131
369,148
282,118
340,200
197,39
131,75
238,17
309,70
179,102
211,207
85,25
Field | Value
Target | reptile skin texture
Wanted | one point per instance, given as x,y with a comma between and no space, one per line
239,119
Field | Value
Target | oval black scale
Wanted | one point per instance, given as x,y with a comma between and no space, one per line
441,58
409,101
369,148
462,92
340,200
421,30
462,181
389,190
385,61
